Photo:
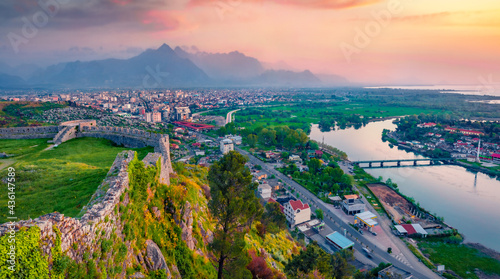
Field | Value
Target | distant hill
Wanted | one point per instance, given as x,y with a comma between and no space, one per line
162,68
224,66
287,78
11,82
153,68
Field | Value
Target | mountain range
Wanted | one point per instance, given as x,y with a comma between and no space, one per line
161,68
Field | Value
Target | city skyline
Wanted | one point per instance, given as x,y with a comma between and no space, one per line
370,42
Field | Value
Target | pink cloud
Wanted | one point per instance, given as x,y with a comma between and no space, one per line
313,4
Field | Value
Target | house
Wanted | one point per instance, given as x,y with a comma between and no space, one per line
339,241
226,145
394,272
264,191
411,229
236,139
296,212
319,153
295,158
496,158
352,205
427,125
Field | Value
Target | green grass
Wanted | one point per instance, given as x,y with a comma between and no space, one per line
296,115
61,179
459,258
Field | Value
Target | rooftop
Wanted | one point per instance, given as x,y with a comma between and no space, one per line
340,240
298,205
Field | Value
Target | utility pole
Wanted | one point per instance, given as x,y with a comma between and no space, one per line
478,151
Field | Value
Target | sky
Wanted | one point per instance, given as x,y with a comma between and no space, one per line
378,42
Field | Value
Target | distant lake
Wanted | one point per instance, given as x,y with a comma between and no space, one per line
492,89
469,202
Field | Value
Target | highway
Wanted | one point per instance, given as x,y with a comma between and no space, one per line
229,117
339,225
335,223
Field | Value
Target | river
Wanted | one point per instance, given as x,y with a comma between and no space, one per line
469,202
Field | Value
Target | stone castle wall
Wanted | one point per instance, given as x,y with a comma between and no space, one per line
99,220
29,132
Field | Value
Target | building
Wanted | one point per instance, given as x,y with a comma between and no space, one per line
427,125
148,117
182,113
411,229
394,272
366,219
496,158
264,191
339,241
295,158
226,145
156,117
236,139
296,212
352,205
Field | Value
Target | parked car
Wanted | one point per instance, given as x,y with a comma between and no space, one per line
374,233
360,231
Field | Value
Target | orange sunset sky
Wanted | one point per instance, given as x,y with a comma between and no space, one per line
415,42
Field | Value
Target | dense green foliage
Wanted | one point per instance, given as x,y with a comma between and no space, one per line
234,206
29,260
314,258
319,178
460,258
59,179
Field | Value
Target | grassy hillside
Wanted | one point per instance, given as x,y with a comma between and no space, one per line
149,210
60,179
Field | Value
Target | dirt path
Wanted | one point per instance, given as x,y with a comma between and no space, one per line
6,162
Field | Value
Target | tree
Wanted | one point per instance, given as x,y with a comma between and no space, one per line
319,213
252,140
314,165
234,206
273,218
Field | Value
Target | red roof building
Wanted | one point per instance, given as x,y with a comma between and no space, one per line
298,205
409,228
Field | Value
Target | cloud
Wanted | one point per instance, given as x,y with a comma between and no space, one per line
313,4
81,14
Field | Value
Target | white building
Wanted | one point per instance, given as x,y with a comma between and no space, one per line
148,117
264,191
226,145
296,212
182,113
236,139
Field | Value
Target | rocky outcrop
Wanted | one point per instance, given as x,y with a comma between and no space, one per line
155,259
186,224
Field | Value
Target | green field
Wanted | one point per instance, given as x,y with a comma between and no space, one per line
460,258
303,114
60,179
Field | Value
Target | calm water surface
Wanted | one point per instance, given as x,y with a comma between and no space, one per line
468,202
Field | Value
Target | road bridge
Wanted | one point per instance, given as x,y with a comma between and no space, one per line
396,163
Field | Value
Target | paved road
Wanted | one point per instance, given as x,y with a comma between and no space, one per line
336,223
229,117
418,270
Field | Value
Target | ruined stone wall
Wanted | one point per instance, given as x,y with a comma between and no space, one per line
29,132
99,220
166,164
65,134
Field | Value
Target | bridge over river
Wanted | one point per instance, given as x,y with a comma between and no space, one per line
396,163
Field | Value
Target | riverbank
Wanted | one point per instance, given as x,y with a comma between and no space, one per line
469,166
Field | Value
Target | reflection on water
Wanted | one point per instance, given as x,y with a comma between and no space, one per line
468,201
